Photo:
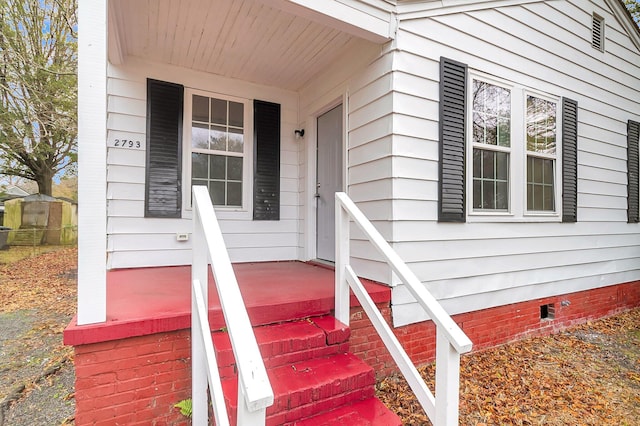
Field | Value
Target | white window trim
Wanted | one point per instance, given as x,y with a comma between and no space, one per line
517,211
244,212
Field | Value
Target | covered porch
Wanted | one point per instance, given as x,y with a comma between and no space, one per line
143,301
295,56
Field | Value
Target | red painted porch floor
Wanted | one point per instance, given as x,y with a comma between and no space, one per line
151,300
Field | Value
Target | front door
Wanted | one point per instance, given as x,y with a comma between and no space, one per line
329,180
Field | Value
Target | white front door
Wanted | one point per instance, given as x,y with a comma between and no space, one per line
328,181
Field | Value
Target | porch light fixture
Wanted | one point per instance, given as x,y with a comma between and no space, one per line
299,133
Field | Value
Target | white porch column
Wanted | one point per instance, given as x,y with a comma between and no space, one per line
92,161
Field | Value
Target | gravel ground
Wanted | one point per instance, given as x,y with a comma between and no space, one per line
36,372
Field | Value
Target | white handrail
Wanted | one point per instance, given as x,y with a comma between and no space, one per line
254,390
450,339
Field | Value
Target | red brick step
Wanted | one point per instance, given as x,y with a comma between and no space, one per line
367,412
287,342
311,373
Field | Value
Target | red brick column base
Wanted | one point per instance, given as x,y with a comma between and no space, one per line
134,381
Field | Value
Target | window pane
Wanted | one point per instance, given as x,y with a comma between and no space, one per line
491,114
218,111
200,136
218,138
477,194
234,168
236,140
200,108
488,164
478,127
216,191
488,195
490,180
540,184
236,114
478,95
541,125
199,166
502,195
492,130
234,194
537,170
547,172
502,166
477,163
537,197
218,169
547,202
504,132
504,102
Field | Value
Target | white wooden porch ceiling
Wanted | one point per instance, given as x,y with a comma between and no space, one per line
243,39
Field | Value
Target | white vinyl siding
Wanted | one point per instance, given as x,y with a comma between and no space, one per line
471,266
135,241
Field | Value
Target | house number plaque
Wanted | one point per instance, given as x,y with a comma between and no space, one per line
122,141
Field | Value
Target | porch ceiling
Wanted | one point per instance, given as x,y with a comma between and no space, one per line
275,43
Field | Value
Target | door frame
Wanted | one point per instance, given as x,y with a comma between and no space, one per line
310,238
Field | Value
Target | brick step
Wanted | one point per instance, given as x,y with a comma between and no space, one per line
368,412
307,388
288,342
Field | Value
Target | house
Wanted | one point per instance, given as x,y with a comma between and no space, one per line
494,145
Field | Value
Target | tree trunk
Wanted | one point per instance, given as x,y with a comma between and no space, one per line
45,183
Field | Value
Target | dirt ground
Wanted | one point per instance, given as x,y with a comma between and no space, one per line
587,375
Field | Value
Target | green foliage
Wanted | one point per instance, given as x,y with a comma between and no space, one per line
634,8
185,407
38,95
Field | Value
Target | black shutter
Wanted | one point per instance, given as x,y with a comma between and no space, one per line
569,160
266,170
453,84
163,193
633,138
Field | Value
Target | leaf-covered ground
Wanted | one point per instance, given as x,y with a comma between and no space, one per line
587,375
38,294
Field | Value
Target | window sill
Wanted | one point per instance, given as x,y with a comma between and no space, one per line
506,217
222,214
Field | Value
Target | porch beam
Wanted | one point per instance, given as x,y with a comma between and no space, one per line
92,156
352,17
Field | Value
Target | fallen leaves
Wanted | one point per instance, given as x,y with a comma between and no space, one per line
584,376
40,282
38,294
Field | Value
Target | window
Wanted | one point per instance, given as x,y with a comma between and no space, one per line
218,129
491,146
506,152
513,151
541,154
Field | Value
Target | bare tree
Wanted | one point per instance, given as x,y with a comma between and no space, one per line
38,94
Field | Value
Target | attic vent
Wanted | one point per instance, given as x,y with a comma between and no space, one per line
597,32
